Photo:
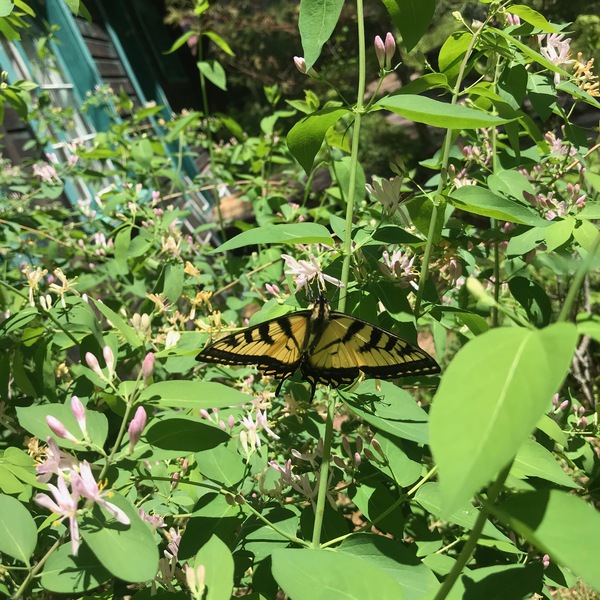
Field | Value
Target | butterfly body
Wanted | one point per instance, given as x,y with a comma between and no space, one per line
328,347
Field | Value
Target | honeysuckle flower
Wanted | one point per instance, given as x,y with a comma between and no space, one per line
512,19
59,429
79,413
64,287
136,427
190,269
33,279
46,173
93,364
303,272
387,192
379,51
86,486
109,359
174,538
155,521
196,580
555,47
148,367
55,463
172,338
301,66
585,78
65,504
400,267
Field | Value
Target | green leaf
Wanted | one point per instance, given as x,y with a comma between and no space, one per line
184,435
18,320
562,525
525,242
478,418
18,532
174,277
214,72
33,419
306,137
532,17
430,498
558,233
294,233
403,469
533,460
374,500
316,23
585,233
411,17
480,201
6,7
192,394
452,53
439,114
67,574
142,153
222,465
180,41
395,558
219,41
119,323
216,558
517,582
533,299
594,180
392,410
310,574
128,551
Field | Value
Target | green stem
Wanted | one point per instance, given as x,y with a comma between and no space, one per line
19,593
324,474
437,199
471,543
360,94
578,280
209,138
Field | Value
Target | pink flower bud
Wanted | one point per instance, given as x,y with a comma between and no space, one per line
109,358
390,50
148,367
583,422
136,427
59,429
379,51
300,64
93,364
231,421
222,425
205,414
564,404
79,413
377,447
357,459
545,561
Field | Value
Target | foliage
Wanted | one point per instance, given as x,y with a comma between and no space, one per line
146,471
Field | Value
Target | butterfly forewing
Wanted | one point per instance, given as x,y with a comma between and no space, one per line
275,346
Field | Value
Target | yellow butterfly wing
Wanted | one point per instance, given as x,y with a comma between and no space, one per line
275,346
349,345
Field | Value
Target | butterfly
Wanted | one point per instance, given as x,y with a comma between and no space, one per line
328,347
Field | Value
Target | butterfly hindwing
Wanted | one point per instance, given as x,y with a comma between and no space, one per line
275,346
348,345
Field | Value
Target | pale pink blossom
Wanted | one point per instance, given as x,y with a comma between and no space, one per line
303,272
148,367
65,504
109,359
556,48
86,486
55,462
